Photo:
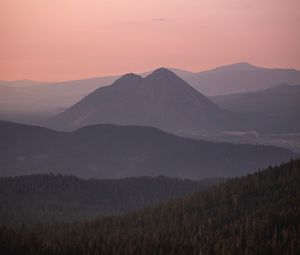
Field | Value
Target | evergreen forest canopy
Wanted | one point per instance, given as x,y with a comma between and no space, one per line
255,214
57,198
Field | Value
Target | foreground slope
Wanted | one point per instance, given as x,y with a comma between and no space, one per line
109,151
256,214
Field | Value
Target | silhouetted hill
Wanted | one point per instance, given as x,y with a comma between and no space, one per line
161,100
109,151
50,198
256,214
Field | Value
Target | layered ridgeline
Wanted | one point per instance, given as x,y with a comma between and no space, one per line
238,78
30,97
161,100
39,97
278,105
55,198
256,214
109,151
165,101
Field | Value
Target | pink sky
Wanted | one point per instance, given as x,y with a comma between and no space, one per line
52,40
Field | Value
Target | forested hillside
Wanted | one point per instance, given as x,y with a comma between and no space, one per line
255,214
57,198
109,151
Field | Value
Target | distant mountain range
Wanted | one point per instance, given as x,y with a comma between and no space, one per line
274,100
163,100
34,98
22,83
108,151
51,98
240,77
279,105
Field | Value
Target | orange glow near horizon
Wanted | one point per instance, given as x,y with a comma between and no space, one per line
50,40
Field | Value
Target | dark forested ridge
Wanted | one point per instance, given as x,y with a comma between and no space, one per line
109,151
51,198
255,214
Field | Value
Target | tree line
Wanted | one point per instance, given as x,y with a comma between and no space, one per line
255,214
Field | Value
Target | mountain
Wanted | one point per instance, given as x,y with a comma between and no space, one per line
161,100
239,77
37,99
279,104
255,214
109,151
278,99
51,198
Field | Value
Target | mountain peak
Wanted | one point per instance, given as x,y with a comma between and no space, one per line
162,71
237,67
129,78
242,64
163,76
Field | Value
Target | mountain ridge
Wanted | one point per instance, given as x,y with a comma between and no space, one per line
55,97
279,104
111,151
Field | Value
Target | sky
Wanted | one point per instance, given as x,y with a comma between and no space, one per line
54,40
